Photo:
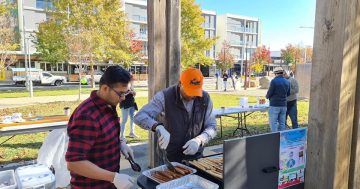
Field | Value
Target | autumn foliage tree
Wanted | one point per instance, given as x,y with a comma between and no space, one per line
8,36
291,54
260,58
309,54
225,58
193,40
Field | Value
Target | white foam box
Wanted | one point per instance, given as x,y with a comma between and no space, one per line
7,180
35,177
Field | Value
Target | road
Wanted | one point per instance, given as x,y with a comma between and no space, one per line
72,85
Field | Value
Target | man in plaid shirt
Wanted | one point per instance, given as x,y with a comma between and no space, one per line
93,154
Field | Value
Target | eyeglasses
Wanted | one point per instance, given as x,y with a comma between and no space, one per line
121,94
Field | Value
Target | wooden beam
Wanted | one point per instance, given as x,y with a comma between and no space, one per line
332,97
173,40
164,53
354,182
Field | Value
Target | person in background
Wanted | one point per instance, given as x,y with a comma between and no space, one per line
277,93
182,115
225,77
128,107
93,153
291,110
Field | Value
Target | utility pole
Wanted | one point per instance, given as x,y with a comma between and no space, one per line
246,66
30,74
28,82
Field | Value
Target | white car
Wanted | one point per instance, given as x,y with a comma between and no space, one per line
97,76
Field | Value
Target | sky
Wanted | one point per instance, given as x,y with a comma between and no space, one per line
280,19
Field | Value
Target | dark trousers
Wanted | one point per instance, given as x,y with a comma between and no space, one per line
292,113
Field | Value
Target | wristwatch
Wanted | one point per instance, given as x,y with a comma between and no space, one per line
153,128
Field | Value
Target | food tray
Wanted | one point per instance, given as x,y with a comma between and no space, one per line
205,172
150,172
187,182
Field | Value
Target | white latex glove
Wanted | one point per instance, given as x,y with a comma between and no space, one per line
164,138
126,150
122,181
192,146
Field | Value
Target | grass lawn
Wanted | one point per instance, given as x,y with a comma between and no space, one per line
25,147
52,92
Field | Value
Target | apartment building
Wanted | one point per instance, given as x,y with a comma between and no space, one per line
243,34
209,26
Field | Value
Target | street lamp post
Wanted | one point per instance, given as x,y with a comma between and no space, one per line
246,66
28,83
30,74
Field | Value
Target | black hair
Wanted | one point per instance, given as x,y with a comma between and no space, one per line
113,75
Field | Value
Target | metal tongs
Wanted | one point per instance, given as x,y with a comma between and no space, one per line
134,166
164,156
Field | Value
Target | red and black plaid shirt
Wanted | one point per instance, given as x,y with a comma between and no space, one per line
94,131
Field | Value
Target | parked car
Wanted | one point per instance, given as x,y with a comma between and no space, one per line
38,76
97,76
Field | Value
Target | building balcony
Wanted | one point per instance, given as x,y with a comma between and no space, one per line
138,18
236,43
208,25
141,36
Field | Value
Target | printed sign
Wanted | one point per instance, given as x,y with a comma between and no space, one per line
292,157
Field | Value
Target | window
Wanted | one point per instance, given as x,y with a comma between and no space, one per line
48,67
22,64
136,17
46,75
43,66
44,4
60,67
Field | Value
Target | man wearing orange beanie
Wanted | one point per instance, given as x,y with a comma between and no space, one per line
185,111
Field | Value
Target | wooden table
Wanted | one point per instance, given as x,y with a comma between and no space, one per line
47,123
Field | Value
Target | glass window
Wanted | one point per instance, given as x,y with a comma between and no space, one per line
22,64
48,67
44,4
46,75
65,66
42,66
40,4
60,67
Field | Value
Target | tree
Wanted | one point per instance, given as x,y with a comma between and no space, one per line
104,25
193,40
309,54
260,58
225,58
291,54
8,36
50,44
225,61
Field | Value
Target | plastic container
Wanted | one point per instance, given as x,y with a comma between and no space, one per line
244,102
190,181
35,176
7,180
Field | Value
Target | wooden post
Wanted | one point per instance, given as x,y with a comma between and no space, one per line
333,92
354,181
164,52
